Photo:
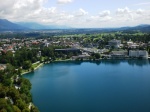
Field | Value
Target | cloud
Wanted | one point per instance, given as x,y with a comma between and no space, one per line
104,13
123,11
139,11
81,12
19,8
64,1
124,14
34,11
144,3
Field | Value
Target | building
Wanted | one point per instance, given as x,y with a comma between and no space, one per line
114,43
138,54
119,54
2,66
83,56
129,42
68,50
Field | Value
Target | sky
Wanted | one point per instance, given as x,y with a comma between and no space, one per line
78,13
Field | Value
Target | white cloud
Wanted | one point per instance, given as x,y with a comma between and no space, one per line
19,8
64,1
140,11
123,11
81,12
124,14
34,11
104,13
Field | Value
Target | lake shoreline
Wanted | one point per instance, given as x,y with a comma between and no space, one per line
97,60
40,65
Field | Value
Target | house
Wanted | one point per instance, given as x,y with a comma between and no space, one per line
130,42
68,50
138,54
119,54
114,43
83,56
2,66
133,46
47,44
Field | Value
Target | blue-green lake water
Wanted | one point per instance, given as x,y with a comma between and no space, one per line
105,86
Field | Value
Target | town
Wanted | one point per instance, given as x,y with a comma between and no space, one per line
20,55
84,46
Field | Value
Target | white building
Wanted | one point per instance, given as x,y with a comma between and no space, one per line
129,42
46,44
115,43
139,54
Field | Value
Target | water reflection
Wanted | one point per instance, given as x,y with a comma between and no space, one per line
138,62
69,62
62,70
112,62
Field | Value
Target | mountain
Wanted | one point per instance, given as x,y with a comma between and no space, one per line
142,28
37,26
6,25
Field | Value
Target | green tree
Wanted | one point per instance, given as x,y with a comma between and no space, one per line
5,106
26,110
13,93
27,65
16,109
97,55
21,104
7,82
34,109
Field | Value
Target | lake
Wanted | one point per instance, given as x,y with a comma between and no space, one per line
105,86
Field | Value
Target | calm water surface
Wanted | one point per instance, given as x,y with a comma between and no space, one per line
106,86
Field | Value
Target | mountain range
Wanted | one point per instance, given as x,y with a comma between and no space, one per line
6,25
37,26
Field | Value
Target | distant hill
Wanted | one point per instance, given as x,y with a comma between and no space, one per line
142,28
6,25
37,26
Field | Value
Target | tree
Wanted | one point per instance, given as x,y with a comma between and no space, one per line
5,106
34,109
97,55
26,110
16,109
3,103
19,71
27,65
32,69
21,104
3,91
7,82
3,110
13,93
25,98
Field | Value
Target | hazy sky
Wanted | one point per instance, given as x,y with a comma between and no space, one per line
78,13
